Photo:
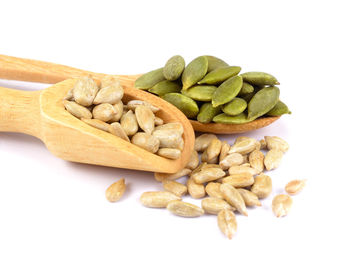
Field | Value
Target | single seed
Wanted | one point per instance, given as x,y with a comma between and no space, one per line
263,101
194,161
195,190
104,112
214,63
200,92
185,104
202,142
244,146
175,187
115,191
279,109
148,80
295,186
273,159
263,145
132,104
175,126
242,169
146,141
145,118
194,72
174,67
116,129
227,91
242,179
165,87
169,153
219,75
276,143
256,160
129,123
168,138
96,123
262,186
213,190
233,159
214,149
207,112
227,223
184,209
250,198
110,94
225,147
260,78
77,110
158,199
119,108
84,91
208,174
233,197
214,205
174,176
158,121
281,205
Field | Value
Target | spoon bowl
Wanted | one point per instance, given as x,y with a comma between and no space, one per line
42,114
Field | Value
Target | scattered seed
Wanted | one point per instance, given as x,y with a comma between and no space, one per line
227,223
175,187
242,169
262,186
225,147
234,198
243,146
276,143
215,205
263,145
195,190
208,174
250,198
233,159
256,160
158,199
214,148
202,142
281,205
213,190
242,179
184,209
295,186
273,159
115,191
194,161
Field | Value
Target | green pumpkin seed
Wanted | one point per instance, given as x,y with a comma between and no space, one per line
174,67
187,105
279,109
247,97
246,89
263,101
220,75
227,91
148,80
207,112
200,93
215,63
165,87
226,119
235,107
259,78
194,72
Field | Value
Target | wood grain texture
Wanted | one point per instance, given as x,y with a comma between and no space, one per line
42,114
38,71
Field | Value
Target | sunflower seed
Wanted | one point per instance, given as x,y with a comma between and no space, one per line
243,146
276,143
174,176
281,205
145,118
158,121
208,174
194,161
250,199
109,80
273,159
263,145
158,199
234,198
77,110
169,153
116,129
202,142
213,190
184,209
225,147
175,187
174,126
104,112
115,191
119,108
69,95
195,190
168,138
129,123
242,169
295,186
256,160
233,159
146,141
96,123
110,94
84,91
262,186
132,104
227,223
242,179
215,205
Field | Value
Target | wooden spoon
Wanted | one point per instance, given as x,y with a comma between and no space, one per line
42,114
38,71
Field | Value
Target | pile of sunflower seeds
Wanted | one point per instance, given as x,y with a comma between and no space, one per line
136,121
232,176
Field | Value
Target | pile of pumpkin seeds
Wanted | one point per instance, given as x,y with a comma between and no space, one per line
210,90
136,121
234,178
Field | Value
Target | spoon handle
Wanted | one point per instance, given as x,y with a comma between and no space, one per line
15,68
20,112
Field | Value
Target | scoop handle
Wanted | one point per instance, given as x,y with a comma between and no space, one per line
14,68
20,112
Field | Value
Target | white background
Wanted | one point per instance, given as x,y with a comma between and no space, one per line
54,218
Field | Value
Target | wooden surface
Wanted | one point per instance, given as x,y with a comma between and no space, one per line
42,114
38,71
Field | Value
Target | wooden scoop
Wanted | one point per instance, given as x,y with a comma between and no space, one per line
44,72
42,114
